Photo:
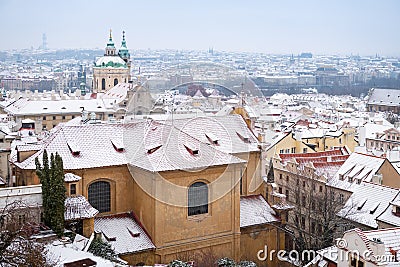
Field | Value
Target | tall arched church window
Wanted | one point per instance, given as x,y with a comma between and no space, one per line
99,196
197,199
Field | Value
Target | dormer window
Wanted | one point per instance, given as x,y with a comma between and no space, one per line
361,204
117,144
212,138
396,210
74,148
374,208
194,151
244,137
153,149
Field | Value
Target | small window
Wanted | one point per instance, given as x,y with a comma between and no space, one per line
280,190
287,178
1,140
72,189
280,176
320,188
44,118
304,183
341,198
287,194
54,117
63,117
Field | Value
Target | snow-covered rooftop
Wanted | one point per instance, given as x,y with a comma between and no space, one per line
123,232
367,202
77,207
255,210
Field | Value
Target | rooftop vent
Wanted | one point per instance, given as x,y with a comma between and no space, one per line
74,148
192,150
152,150
244,137
374,208
212,138
361,203
117,144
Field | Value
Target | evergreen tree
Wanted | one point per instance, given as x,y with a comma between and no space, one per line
44,175
53,191
58,198
102,249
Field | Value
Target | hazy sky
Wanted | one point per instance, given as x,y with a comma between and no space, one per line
366,27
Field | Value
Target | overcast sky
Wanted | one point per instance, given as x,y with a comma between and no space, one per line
365,27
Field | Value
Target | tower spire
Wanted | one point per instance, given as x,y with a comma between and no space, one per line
110,39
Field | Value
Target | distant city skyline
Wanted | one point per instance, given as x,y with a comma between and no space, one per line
365,27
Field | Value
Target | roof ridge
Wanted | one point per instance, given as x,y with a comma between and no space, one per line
381,185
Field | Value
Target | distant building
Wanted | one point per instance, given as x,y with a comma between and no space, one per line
384,100
112,68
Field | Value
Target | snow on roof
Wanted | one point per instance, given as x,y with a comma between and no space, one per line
111,62
28,195
255,210
70,177
44,107
28,121
65,253
116,95
367,166
391,240
223,127
124,233
93,140
371,129
384,97
367,202
77,207
388,216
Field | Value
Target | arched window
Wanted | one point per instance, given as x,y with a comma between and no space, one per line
103,84
100,196
115,81
198,199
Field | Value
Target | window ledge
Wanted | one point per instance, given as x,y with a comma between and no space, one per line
199,217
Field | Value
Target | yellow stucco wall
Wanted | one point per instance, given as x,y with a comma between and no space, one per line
256,238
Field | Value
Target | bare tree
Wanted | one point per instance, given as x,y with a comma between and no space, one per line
16,247
314,220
